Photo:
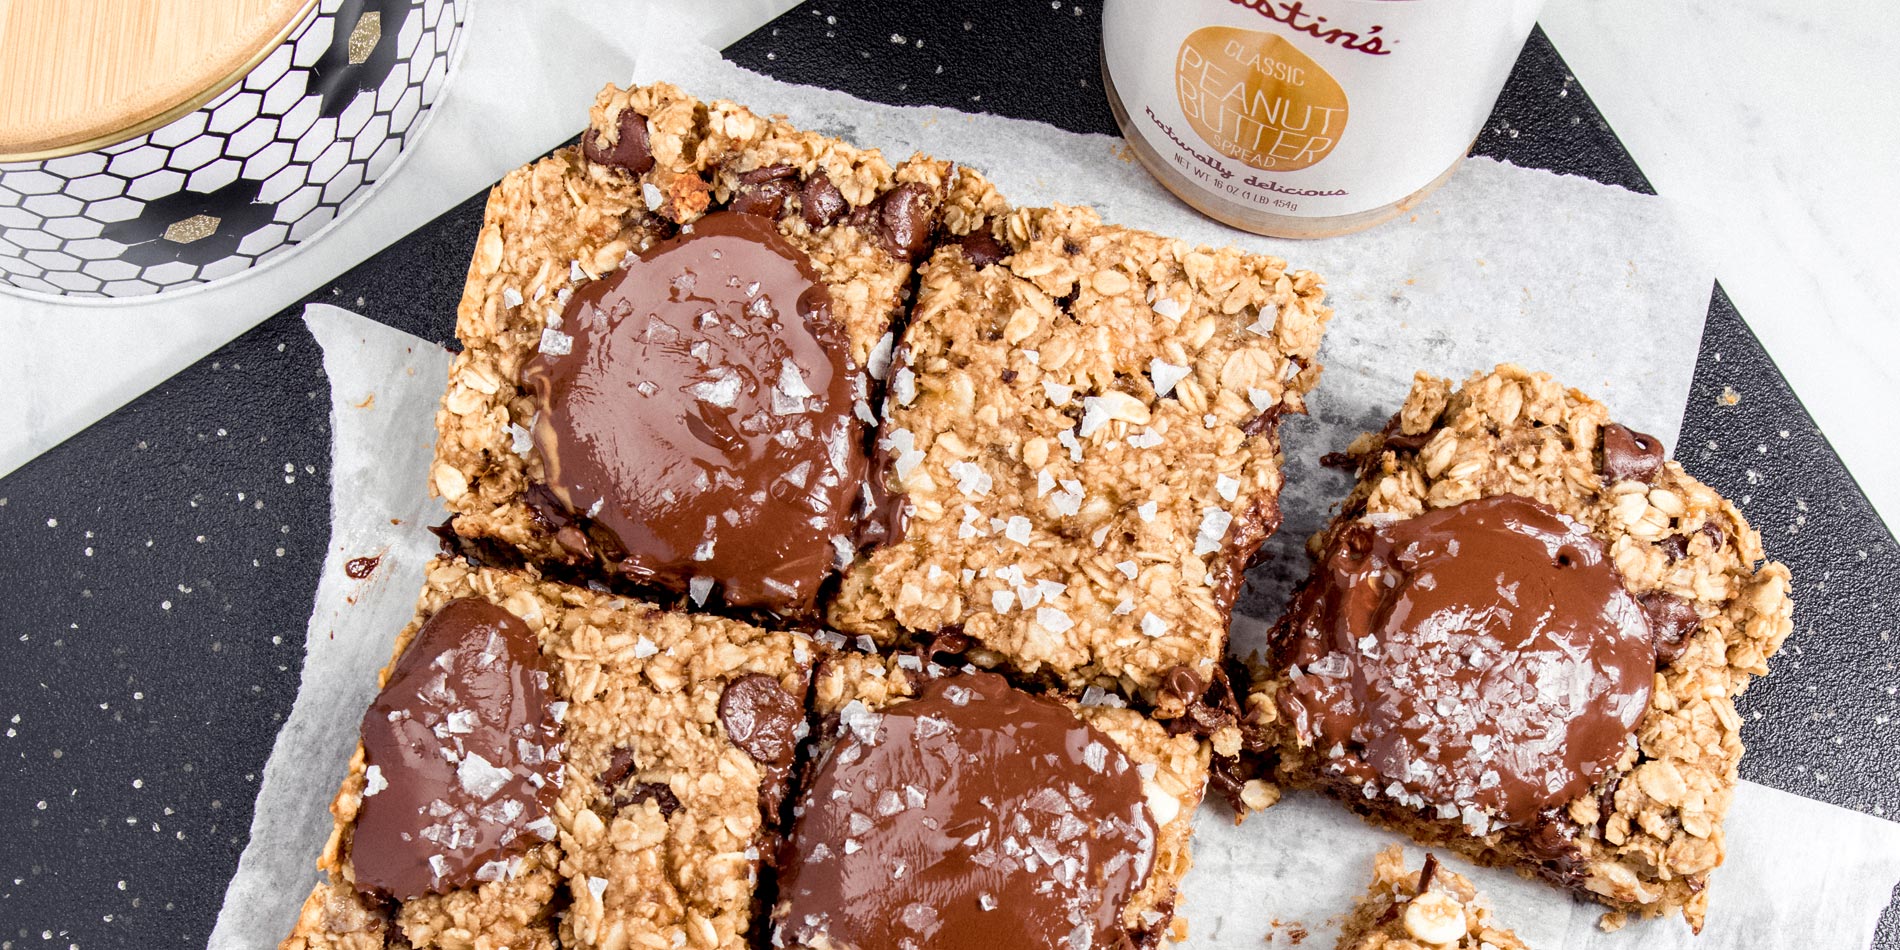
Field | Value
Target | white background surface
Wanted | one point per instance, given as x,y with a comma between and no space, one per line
1777,125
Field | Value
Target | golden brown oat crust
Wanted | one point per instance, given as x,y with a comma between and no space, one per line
1645,838
635,678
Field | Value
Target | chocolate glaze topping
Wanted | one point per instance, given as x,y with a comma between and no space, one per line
702,420
974,817
463,757
1484,656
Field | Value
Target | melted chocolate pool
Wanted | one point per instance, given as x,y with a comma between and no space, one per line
1483,660
975,817
702,416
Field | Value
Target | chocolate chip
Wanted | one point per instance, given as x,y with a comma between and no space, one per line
779,172
1606,803
1184,684
1400,442
950,643
657,792
572,540
762,718
1671,622
619,766
765,199
1009,375
904,220
1628,454
1210,704
1264,422
1338,460
1675,547
1223,776
1551,840
630,150
982,248
1397,441
476,552
445,536
1426,873
1717,537
1149,938
762,191
820,201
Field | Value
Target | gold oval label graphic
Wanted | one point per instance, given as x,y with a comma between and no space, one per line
1255,98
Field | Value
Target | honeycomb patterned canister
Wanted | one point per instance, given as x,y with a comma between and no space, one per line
264,164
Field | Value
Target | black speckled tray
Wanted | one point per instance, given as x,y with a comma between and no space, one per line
159,566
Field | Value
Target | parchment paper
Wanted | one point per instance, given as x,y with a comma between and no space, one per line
1503,263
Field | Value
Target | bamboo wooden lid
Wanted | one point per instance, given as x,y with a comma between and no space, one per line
77,75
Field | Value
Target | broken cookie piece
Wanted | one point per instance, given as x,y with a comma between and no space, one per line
1427,909
1522,640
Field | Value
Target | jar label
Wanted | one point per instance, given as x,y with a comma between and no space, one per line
1254,97
1308,108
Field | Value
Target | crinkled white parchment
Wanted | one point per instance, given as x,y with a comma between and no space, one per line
1502,264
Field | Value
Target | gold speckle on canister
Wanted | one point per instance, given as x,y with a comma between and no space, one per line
191,229
363,39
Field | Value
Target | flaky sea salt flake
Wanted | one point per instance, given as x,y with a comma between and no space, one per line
556,343
1213,530
879,362
1017,529
971,479
478,778
1166,374
1228,487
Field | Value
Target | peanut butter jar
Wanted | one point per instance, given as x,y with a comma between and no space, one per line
1307,118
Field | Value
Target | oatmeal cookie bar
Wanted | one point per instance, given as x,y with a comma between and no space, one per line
1522,641
946,808
1082,423
1427,909
538,746
692,279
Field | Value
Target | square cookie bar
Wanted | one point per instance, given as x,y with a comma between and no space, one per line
537,746
947,808
1522,641
1082,422
672,334
1427,909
